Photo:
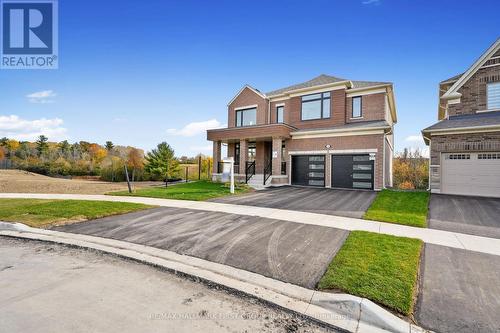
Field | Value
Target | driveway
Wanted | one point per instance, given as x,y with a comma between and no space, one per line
470,215
459,291
287,251
77,290
306,199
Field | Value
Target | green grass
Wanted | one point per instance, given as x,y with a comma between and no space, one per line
198,191
409,208
382,268
43,213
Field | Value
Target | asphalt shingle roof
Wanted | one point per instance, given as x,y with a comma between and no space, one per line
321,80
472,120
453,78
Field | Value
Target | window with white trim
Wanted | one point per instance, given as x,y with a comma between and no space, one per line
488,156
356,107
458,156
493,96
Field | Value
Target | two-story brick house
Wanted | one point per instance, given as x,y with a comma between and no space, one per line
326,132
465,143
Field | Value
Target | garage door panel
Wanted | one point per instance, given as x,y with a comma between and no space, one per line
471,174
352,171
308,170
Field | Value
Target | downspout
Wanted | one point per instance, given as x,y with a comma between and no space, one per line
383,161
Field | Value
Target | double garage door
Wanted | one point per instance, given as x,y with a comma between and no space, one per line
471,174
348,171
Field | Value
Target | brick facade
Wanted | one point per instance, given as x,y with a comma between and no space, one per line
474,92
246,98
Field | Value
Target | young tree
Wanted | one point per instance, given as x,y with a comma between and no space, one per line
65,147
41,145
161,163
109,146
135,161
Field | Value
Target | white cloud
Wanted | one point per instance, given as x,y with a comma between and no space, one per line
17,128
371,2
195,128
42,97
201,149
415,138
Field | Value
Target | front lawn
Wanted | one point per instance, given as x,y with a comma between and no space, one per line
382,268
409,208
198,191
43,213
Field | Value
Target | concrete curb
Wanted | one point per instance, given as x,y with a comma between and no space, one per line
342,311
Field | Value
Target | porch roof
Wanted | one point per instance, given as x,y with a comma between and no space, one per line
250,132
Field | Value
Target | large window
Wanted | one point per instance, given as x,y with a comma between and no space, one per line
493,93
356,107
316,106
279,114
247,117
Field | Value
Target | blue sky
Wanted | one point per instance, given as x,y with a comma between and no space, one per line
141,72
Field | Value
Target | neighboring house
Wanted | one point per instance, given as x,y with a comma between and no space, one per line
465,143
326,132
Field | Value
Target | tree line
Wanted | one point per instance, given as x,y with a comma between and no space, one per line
84,158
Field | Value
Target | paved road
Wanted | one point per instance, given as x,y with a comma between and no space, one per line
82,291
290,252
470,215
459,291
316,200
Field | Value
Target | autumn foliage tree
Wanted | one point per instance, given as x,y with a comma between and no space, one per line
411,171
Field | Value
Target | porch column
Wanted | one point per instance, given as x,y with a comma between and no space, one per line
216,156
243,155
276,154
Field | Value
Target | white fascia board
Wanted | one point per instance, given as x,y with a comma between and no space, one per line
329,134
246,107
249,87
313,89
463,130
472,69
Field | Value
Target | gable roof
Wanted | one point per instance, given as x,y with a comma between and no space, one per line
452,92
452,79
247,86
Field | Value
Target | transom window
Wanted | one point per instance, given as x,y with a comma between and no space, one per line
279,114
493,96
316,106
356,107
246,117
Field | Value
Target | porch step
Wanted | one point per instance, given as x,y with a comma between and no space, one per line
257,182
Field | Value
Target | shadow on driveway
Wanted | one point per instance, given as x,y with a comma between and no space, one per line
470,215
286,251
347,203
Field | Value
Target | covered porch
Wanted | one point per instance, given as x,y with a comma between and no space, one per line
259,153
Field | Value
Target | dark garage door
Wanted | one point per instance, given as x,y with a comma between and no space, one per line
352,171
308,170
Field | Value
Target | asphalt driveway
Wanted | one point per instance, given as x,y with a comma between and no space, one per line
306,199
459,291
470,215
290,252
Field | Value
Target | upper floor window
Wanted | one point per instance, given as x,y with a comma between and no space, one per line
279,114
493,96
356,107
316,106
246,117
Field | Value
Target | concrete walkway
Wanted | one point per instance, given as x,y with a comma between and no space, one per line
430,236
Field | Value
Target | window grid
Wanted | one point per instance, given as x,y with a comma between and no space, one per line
458,157
324,105
489,156
493,96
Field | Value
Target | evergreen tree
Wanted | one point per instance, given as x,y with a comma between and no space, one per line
41,145
161,162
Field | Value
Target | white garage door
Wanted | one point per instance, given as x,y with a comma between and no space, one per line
471,174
